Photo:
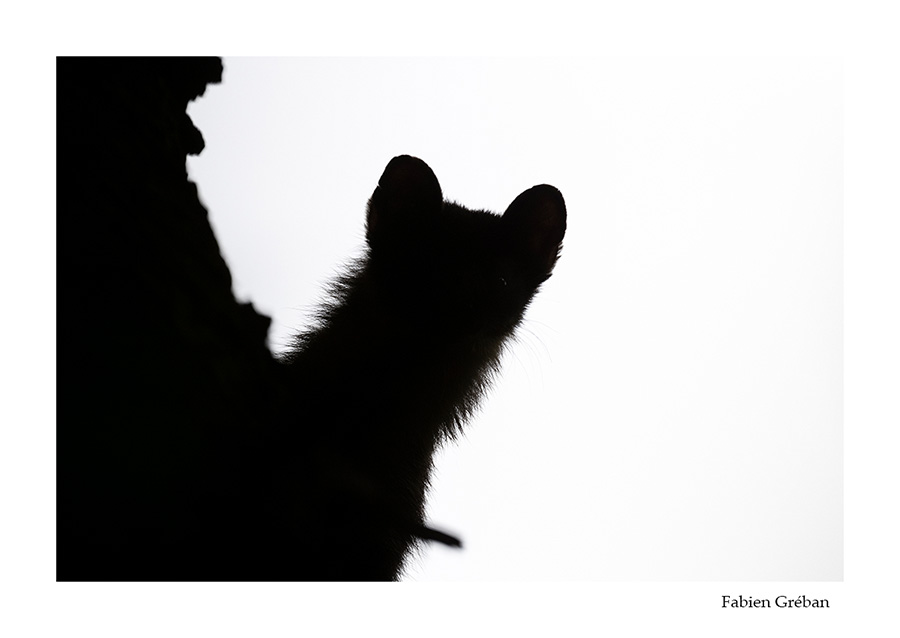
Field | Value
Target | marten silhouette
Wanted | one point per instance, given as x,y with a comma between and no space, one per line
398,358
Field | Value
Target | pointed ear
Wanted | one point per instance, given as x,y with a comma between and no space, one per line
536,224
407,192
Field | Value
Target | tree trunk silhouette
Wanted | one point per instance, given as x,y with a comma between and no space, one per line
165,383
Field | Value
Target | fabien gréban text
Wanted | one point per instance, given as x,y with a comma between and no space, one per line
785,602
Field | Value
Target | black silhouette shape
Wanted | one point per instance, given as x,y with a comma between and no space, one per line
184,450
408,343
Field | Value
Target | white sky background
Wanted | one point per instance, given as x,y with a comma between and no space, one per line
673,407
